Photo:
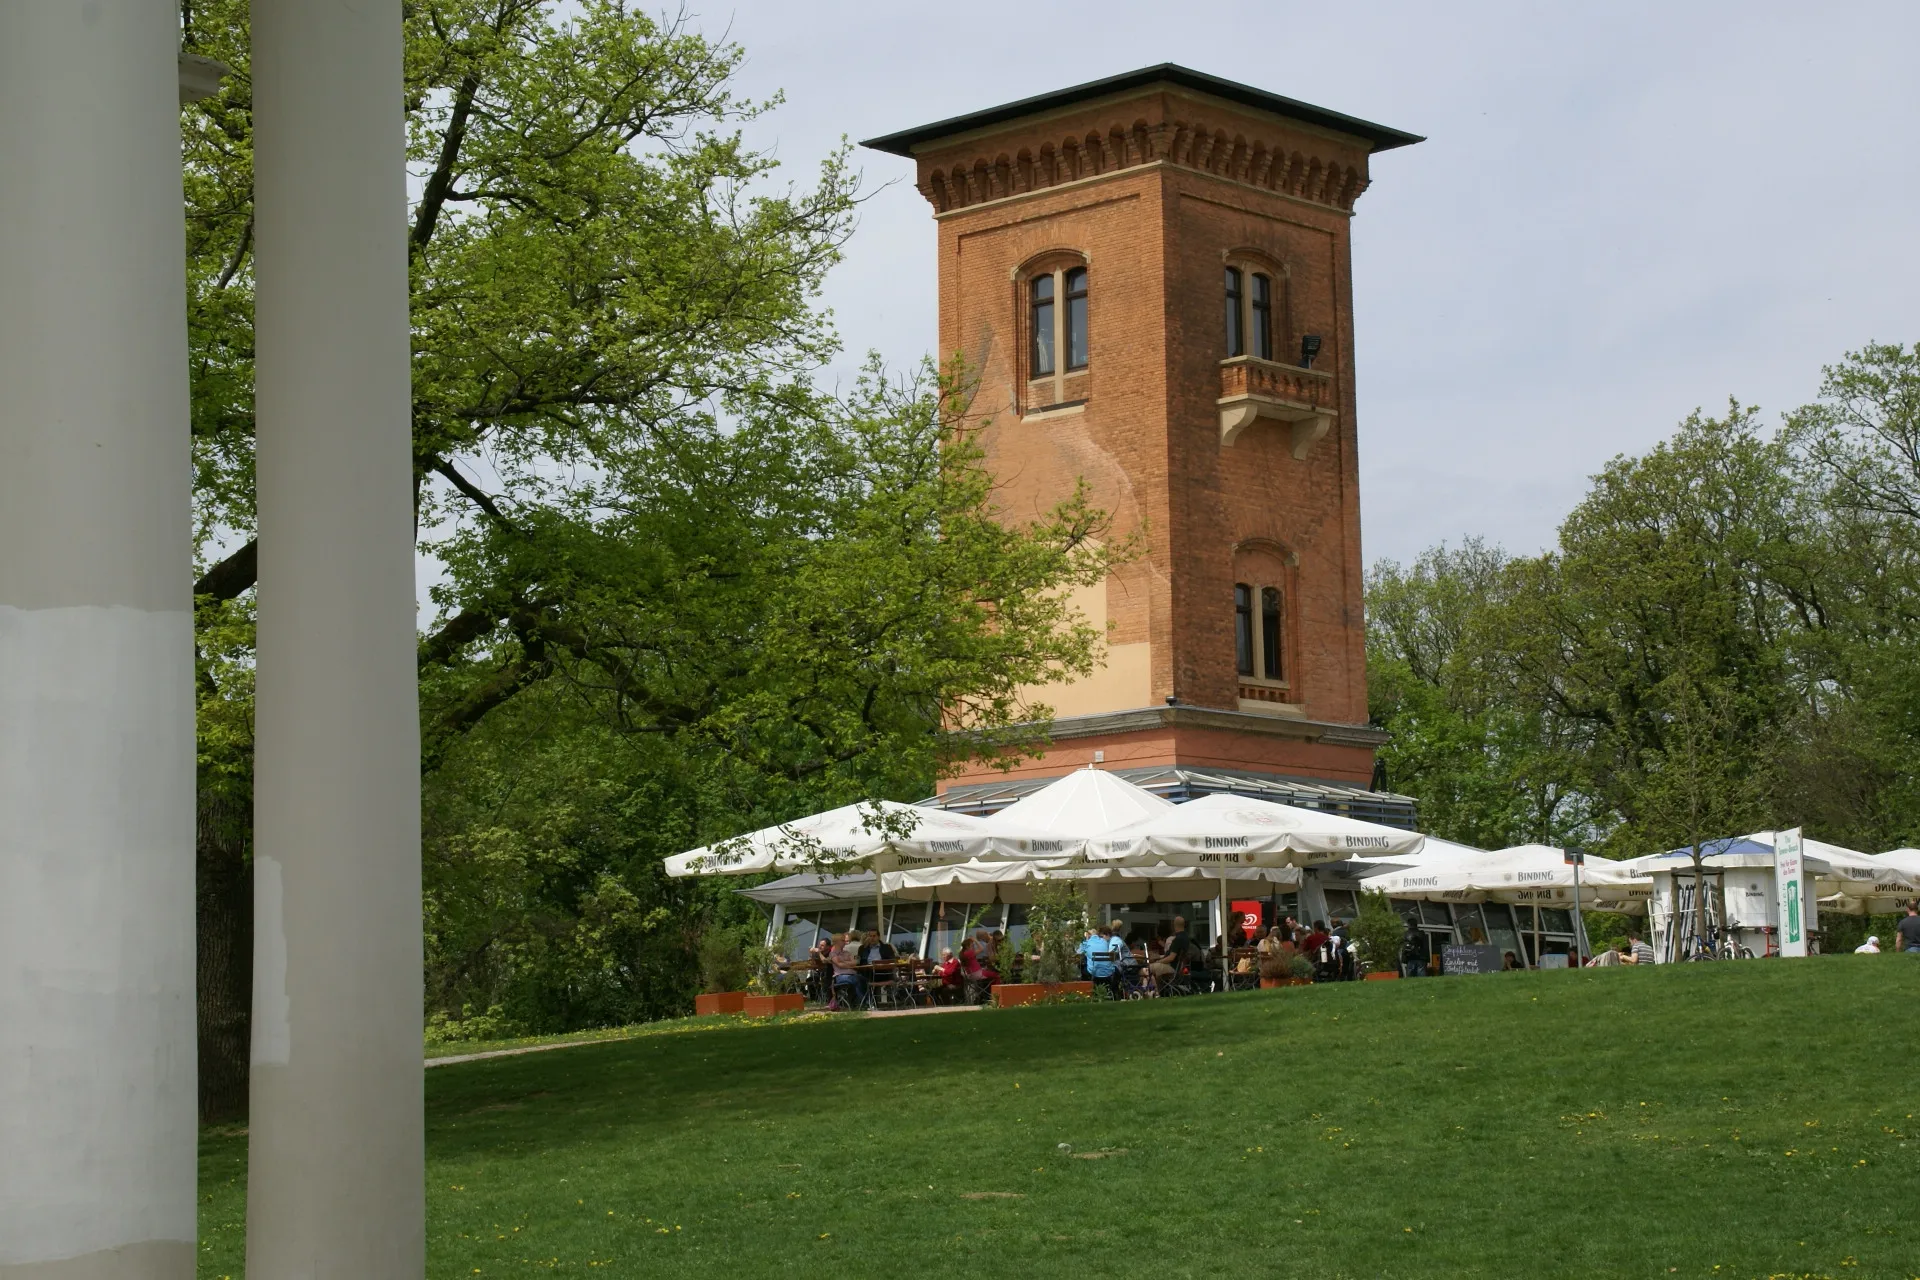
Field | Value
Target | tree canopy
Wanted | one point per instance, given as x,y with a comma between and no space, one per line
681,591
1722,640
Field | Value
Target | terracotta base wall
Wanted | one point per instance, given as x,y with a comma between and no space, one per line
1198,748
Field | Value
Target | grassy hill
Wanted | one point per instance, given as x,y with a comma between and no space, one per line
1718,1120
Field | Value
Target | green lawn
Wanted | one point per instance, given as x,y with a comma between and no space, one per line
1716,1120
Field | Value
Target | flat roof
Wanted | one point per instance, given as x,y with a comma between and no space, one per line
1382,138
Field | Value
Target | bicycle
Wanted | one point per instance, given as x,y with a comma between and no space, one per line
1719,945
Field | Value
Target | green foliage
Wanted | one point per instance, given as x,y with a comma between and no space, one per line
1378,932
724,961
1056,922
1723,640
1299,967
467,1027
686,594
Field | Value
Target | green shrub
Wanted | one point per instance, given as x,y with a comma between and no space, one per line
1056,921
1378,932
723,961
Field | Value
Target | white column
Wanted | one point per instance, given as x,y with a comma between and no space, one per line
335,1186
97,1054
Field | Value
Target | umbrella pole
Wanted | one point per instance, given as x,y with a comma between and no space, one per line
1226,950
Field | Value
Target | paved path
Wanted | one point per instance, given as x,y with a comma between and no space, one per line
576,1044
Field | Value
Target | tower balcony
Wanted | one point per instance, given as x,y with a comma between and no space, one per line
1252,388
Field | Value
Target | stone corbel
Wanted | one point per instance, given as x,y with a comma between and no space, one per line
1308,424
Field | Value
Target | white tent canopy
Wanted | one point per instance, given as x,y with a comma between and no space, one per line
1082,804
1013,882
1223,833
1844,879
883,835
1905,861
1533,874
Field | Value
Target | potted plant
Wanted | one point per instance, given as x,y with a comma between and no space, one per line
1055,923
1300,971
723,973
1378,933
1275,966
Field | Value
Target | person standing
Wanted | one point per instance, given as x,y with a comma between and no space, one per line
1907,933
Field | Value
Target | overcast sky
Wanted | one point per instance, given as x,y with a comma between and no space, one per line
1622,211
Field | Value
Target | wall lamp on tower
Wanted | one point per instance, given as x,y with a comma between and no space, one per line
1309,348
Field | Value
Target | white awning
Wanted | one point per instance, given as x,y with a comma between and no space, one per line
1525,874
1221,833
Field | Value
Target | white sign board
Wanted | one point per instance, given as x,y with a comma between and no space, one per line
1789,892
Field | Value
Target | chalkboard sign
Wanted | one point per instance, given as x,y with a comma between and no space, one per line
1469,960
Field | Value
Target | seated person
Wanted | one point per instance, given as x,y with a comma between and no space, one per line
949,981
879,954
1509,962
1179,952
1101,955
970,964
847,986
1316,938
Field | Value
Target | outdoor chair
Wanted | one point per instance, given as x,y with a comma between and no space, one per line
850,994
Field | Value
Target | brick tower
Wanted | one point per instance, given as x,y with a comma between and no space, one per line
1149,276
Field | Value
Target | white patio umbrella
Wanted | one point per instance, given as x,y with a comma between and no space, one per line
1528,874
879,835
1013,881
1850,878
1080,805
1859,883
1226,834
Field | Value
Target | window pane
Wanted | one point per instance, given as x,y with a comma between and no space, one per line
1235,344
1270,634
1041,322
1243,628
1469,923
904,921
1077,318
1263,317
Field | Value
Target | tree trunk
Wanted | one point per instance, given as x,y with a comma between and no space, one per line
224,893
1699,901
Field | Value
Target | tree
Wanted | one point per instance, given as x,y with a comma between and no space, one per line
1486,770
610,298
1857,450
1683,579
791,617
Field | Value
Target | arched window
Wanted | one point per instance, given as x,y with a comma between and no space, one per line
1272,627
1243,628
1236,341
1252,302
1058,341
1261,304
1041,324
1262,647
1077,318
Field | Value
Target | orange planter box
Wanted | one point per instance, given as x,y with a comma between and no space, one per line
719,1002
1380,977
767,1006
1009,994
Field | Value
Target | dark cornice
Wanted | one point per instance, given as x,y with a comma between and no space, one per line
1378,136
